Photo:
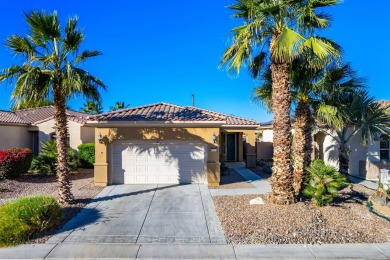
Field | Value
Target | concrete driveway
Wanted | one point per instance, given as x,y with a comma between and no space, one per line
146,214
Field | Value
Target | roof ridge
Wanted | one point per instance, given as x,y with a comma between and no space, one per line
31,108
210,111
131,108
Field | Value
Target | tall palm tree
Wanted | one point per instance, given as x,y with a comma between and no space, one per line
307,87
355,114
51,54
119,105
92,107
274,33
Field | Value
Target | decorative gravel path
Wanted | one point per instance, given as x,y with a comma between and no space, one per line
347,220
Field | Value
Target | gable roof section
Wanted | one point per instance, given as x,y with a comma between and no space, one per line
164,112
33,116
11,118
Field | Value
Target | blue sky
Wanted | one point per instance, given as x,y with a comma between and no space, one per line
157,51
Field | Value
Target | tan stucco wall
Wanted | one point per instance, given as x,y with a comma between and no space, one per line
102,164
78,134
14,137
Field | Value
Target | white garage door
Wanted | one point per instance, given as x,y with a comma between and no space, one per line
158,163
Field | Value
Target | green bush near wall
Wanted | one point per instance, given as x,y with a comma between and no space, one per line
86,153
21,219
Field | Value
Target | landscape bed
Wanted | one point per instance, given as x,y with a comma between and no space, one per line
347,220
26,185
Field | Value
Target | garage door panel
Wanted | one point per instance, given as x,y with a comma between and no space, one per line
158,164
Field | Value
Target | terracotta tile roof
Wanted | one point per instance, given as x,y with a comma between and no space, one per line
384,103
169,112
11,117
36,115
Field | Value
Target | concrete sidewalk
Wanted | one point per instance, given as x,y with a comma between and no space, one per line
192,251
262,186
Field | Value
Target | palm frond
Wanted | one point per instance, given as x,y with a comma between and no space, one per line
87,54
287,46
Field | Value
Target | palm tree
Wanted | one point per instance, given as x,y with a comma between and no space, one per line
119,105
354,114
92,107
274,34
39,103
307,87
51,54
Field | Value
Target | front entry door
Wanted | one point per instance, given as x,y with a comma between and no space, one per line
231,147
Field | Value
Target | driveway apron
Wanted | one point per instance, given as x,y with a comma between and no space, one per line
146,214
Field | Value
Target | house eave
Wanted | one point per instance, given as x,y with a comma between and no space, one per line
14,124
241,126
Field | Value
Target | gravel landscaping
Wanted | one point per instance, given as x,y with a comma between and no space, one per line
82,187
347,220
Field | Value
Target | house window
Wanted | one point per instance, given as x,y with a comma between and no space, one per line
384,147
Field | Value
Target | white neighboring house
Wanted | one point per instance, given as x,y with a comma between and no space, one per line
29,127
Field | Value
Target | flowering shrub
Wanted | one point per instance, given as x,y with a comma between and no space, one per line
15,161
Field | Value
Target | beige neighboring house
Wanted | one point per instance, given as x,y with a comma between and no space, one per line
168,144
29,127
364,161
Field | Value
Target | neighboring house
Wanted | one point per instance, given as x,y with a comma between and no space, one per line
264,142
29,127
168,144
364,161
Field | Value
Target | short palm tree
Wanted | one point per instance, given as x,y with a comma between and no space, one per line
92,108
275,33
51,55
119,105
353,114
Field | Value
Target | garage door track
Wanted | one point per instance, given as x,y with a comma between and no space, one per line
146,214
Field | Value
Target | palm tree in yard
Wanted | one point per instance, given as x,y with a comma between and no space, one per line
307,88
119,105
353,114
275,33
92,107
51,57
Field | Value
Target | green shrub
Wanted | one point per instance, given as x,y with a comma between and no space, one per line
86,153
45,162
322,183
14,162
22,219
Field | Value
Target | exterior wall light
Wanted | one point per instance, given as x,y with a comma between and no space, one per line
214,138
244,136
100,138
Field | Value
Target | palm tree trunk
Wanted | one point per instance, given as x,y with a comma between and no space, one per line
64,183
344,160
302,143
282,178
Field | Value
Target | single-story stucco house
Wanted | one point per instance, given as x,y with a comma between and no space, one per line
169,144
364,161
29,127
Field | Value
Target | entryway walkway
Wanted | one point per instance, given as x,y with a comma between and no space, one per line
146,214
261,185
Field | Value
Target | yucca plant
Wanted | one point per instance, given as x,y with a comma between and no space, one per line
323,183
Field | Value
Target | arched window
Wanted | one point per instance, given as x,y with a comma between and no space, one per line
384,147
